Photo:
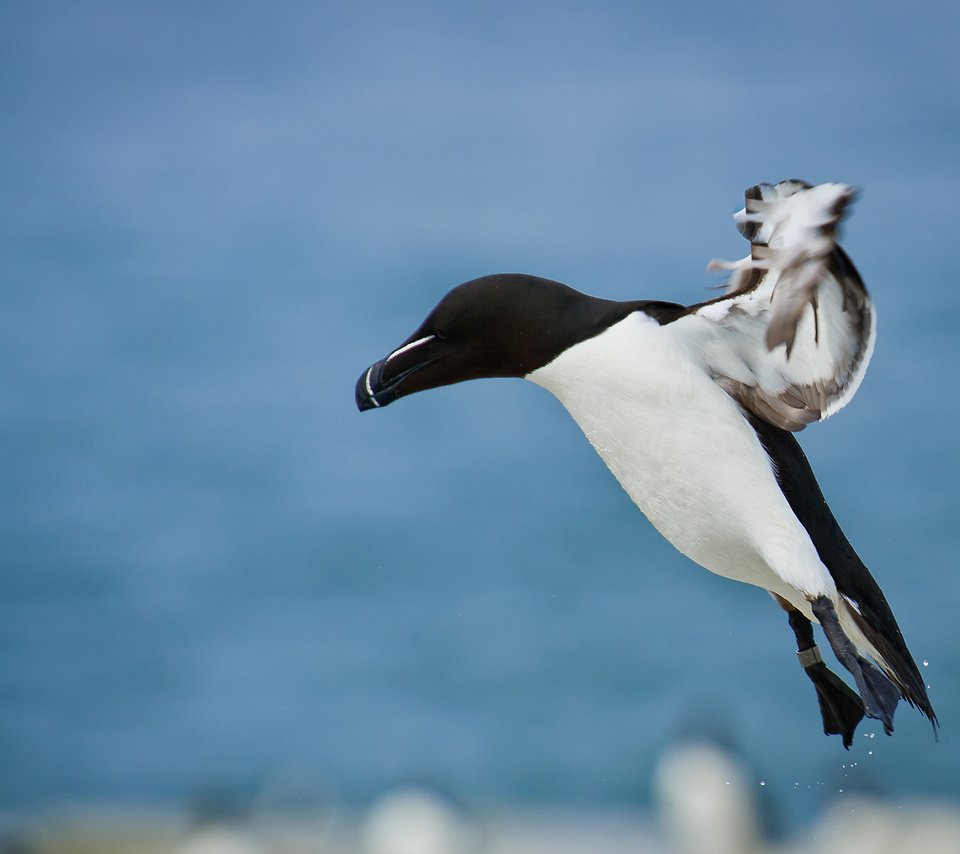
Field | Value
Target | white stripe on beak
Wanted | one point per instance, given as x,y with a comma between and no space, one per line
366,382
409,346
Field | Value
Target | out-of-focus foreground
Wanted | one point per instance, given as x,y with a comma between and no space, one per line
706,804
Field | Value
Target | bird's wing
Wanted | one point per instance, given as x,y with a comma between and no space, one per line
792,336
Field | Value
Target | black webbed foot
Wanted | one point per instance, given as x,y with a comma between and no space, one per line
879,695
840,707
885,694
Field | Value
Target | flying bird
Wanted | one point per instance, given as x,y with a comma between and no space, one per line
693,409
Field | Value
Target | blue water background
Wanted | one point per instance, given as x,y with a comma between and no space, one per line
215,572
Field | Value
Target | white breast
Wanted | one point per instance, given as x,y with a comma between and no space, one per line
685,454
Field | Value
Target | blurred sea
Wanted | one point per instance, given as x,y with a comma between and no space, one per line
218,579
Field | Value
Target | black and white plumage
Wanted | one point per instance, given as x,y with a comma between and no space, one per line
796,288
692,410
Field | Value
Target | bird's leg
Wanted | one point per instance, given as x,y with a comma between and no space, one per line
840,707
879,694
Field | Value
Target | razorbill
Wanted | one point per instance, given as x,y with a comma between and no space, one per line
693,408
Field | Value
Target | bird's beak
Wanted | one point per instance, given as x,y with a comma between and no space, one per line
384,381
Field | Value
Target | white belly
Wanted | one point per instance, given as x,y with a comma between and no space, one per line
687,457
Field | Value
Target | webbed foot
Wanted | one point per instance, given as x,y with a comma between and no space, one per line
840,707
879,695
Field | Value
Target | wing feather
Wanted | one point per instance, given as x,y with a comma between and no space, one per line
792,336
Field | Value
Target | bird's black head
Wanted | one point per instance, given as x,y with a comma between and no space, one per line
505,325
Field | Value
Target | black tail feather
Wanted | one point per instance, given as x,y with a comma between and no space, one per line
897,664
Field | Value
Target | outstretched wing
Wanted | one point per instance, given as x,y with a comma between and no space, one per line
792,336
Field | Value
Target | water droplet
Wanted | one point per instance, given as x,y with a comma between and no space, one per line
926,663
869,753
841,791
726,782
763,782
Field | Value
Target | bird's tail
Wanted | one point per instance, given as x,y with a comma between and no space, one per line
890,654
